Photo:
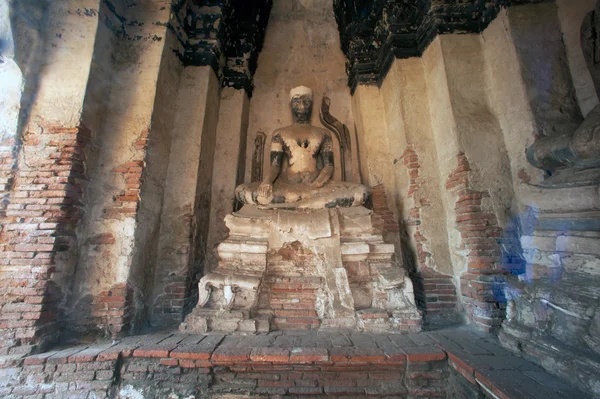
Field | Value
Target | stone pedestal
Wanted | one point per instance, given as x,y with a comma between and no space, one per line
301,270
553,312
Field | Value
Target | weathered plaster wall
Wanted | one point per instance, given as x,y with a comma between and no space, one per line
117,157
11,87
11,79
301,47
41,208
373,141
229,167
536,35
571,15
508,98
155,178
416,171
443,158
403,95
482,175
397,133
478,128
7,50
30,20
376,150
62,79
187,201
445,136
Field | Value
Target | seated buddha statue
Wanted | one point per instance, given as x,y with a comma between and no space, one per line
573,158
301,166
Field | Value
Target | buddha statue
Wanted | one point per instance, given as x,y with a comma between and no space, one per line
573,159
301,166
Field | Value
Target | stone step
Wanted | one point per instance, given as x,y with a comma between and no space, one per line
373,314
287,312
295,323
326,364
277,278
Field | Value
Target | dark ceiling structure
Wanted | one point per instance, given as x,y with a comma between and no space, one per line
228,34
374,32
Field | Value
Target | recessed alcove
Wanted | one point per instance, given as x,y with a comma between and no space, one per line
453,247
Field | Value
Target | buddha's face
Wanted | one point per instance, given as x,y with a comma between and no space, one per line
301,108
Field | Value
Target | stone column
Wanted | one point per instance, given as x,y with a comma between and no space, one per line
229,167
416,170
475,171
187,201
37,246
125,98
376,148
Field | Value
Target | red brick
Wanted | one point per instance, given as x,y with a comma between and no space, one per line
150,353
384,376
268,383
464,372
274,355
424,354
170,362
102,239
233,354
308,355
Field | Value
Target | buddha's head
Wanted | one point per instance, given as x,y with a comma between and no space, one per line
301,101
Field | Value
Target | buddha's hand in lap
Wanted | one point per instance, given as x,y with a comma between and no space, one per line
264,194
316,184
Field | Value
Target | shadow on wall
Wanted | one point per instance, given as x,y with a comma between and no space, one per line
29,19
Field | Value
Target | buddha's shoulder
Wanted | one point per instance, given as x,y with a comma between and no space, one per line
281,130
321,131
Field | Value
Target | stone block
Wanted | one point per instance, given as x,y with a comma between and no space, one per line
233,355
308,355
424,354
274,355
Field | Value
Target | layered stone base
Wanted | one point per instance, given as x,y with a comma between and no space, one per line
553,317
304,270
553,310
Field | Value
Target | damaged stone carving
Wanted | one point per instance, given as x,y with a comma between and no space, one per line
229,284
573,160
342,134
302,252
257,156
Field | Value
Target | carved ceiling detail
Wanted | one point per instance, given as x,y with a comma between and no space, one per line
226,34
374,32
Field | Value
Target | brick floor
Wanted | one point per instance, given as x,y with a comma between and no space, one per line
285,363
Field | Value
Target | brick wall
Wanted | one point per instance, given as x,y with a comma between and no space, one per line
384,219
434,292
483,282
37,235
170,304
8,162
113,309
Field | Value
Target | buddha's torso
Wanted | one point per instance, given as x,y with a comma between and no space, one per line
301,145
